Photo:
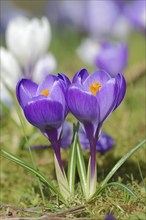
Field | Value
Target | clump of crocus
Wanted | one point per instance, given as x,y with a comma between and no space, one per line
45,106
91,99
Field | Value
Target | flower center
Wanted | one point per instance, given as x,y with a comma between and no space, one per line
95,87
45,92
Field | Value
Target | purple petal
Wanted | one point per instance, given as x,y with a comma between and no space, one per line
65,79
112,58
106,98
82,105
44,114
80,76
58,94
25,90
122,89
98,76
46,84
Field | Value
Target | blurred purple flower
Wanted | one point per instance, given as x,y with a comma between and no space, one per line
104,143
109,56
45,106
82,15
91,99
110,217
112,58
136,12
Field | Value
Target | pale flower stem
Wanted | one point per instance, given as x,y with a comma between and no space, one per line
26,139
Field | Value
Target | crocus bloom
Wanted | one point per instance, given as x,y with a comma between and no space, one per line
8,64
112,57
28,40
91,99
45,106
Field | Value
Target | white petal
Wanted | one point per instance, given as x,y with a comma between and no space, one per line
28,39
9,70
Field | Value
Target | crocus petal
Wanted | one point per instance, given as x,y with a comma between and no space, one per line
83,105
25,90
46,84
57,94
64,78
107,98
122,89
44,114
98,76
80,76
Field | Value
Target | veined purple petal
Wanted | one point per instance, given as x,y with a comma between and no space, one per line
47,83
122,89
25,90
58,94
80,76
44,114
98,76
106,98
82,105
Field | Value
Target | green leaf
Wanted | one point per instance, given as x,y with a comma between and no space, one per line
81,168
91,183
72,164
62,180
35,172
121,162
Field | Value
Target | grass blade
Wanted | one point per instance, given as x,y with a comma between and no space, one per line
120,163
35,172
72,164
121,185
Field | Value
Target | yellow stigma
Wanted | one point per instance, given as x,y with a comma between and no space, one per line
45,92
94,87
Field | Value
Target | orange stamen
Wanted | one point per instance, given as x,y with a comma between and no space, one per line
45,92
95,87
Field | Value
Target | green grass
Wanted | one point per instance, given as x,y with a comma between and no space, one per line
126,125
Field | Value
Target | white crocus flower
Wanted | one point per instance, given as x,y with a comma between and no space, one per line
28,40
10,73
47,64
88,50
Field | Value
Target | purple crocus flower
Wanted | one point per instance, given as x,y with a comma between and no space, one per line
45,106
91,99
104,143
136,13
112,57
